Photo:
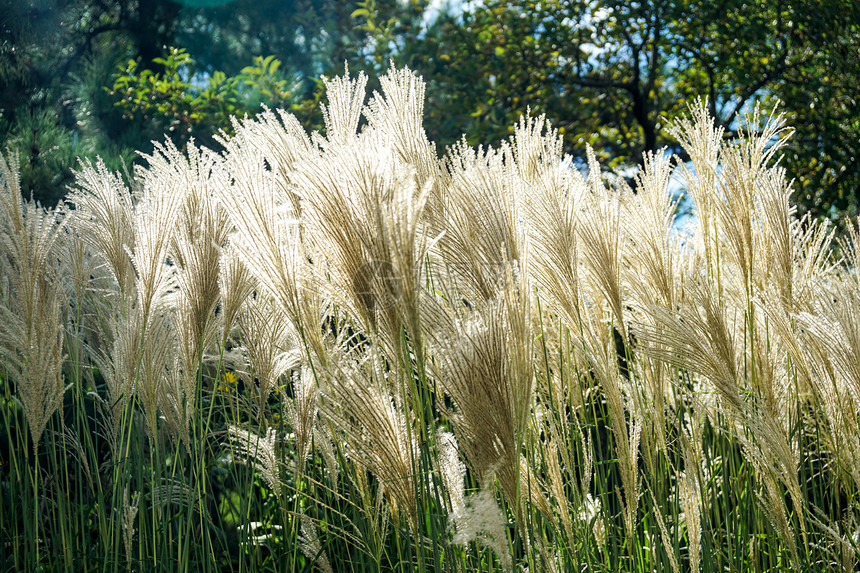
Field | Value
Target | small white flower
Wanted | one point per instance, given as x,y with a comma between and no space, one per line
484,521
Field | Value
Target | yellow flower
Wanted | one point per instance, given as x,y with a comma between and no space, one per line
228,383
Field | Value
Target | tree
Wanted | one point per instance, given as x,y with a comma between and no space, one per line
822,98
182,109
610,73
57,58
311,37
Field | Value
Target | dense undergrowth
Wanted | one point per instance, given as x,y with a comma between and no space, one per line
339,353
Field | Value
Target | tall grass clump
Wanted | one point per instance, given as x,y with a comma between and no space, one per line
338,352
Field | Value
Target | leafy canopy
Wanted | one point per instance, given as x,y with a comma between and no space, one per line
613,74
187,104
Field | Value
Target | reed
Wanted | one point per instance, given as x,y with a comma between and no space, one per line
340,352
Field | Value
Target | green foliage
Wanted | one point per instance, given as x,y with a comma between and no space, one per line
311,37
609,73
173,99
52,57
613,74
48,152
57,57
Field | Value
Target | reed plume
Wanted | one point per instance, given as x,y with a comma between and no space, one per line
374,425
268,345
480,214
363,202
301,414
195,250
483,364
31,300
260,452
487,344
267,237
104,215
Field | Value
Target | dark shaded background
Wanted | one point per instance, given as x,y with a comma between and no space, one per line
608,73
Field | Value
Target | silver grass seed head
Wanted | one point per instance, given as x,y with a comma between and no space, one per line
484,522
260,452
104,214
32,300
